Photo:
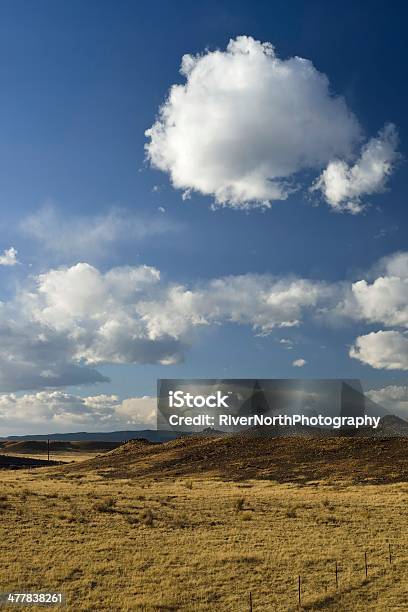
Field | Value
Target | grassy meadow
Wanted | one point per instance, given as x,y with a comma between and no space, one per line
202,544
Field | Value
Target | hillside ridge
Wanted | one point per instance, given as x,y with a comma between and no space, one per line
236,457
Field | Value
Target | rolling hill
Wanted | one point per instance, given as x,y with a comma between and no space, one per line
111,436
236,457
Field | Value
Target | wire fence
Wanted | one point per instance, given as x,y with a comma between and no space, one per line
342,575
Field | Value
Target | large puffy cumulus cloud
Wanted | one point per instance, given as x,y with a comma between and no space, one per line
96,313
58,410
245,122
64,322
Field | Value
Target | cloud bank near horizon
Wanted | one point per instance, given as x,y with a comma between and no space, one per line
392,397
65,412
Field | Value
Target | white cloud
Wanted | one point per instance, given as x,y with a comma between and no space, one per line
260,301
57,410
344,185
287,344
34,356
9,257
82,236
97,313
118,316
380,298
299,363
245,122
382,350
383,301
393,397
394,265
66,321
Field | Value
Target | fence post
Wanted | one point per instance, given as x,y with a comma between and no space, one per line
299,590
48,448
337,578
365,562
250,601
389,552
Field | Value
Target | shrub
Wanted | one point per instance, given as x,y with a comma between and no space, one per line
181,521
327,504
147,517
291,512
107,505
239,504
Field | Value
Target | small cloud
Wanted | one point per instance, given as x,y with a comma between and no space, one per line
9,257
161,209
299,363
75,237
293,323
383,232
287,344
343,186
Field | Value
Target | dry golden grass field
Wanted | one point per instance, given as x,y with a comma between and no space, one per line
115,541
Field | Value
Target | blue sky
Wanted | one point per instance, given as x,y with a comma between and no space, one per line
80,85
